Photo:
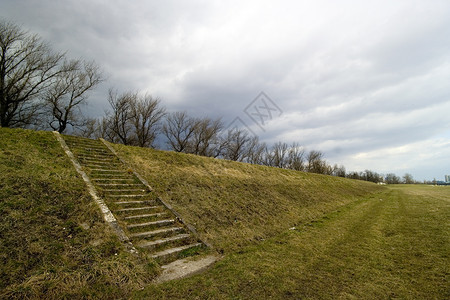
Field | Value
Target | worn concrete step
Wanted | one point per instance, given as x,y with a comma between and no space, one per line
78,145
113,179
119,185
109,160
156,232
108,170
133,217
161,242
99,165
137,209
152,224
105,154
94,149
125,190
134,202
174,251
127,195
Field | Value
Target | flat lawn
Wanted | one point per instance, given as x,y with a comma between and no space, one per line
391,245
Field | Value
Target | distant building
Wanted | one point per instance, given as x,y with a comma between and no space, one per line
447,178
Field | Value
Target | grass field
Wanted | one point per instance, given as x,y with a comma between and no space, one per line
281,234
395,245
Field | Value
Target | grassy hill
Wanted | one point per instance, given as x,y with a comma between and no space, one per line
235,204
283,234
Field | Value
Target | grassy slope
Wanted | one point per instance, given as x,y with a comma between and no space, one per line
53,240
396,246
235,204
352,239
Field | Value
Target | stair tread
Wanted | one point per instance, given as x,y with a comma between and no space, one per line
164,240
137,208
174,250
155,232
133,202
151,223
145,216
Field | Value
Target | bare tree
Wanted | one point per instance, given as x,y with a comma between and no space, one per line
146,113
117,123
339,171
179,129
408,178
255,151
316,164
68,92
205,139
295,159
235,144
27,67
280,153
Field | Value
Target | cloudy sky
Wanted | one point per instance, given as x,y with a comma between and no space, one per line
365,82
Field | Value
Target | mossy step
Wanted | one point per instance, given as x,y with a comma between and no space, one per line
145,216
152,224
173,251
161,242
133,209
156,232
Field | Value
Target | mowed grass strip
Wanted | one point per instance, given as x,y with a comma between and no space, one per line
53,241
236,204
394,245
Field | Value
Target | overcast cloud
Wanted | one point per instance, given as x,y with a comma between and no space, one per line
366,82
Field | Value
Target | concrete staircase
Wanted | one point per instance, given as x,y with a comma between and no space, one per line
149,224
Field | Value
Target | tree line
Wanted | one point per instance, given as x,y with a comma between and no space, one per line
43,89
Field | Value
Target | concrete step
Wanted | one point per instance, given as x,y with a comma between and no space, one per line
145,216
137,209
125,190
108,170
161,242
121,184
127,195
173,251
113,179
146,202
156,232
152,224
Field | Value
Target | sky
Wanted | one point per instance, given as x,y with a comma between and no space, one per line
365,82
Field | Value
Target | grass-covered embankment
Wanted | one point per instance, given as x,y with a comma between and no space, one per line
54,243
392,245
235,204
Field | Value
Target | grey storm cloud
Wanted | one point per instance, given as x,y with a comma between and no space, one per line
364,82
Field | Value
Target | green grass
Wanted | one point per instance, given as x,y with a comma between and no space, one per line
236,204
396,246
282,234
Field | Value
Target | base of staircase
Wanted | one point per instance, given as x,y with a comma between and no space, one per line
185,267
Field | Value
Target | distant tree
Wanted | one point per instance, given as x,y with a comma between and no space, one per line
68,92
146,113
280,152
235,144
339,171
255,151
295,158
391,178
179,128
205,139
316,164
134,119
27,68
117,123
408,178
